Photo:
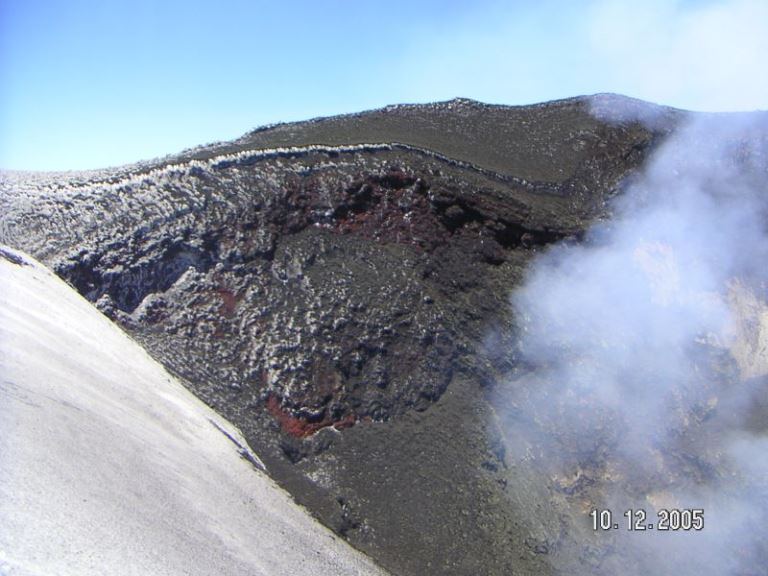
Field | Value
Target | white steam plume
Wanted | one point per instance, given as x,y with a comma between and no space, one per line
645,358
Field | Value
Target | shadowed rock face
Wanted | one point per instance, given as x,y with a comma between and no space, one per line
332,298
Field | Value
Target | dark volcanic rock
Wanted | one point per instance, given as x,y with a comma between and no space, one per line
332,298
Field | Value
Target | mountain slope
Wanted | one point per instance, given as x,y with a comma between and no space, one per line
109,466
339,289
328,286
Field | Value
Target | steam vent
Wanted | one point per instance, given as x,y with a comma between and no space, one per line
451,331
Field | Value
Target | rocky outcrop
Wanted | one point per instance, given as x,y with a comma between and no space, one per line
330,286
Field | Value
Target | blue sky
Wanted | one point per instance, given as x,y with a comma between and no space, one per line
88,84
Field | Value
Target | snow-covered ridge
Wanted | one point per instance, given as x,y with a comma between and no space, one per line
110,466
107,180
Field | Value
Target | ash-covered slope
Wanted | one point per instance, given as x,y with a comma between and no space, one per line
544,142
109,466
332,287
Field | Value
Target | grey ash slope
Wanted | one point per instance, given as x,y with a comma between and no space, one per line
109,466
329,285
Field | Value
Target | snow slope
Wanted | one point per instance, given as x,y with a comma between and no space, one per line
109,466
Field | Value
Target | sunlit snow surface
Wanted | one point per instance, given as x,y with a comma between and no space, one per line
109,466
